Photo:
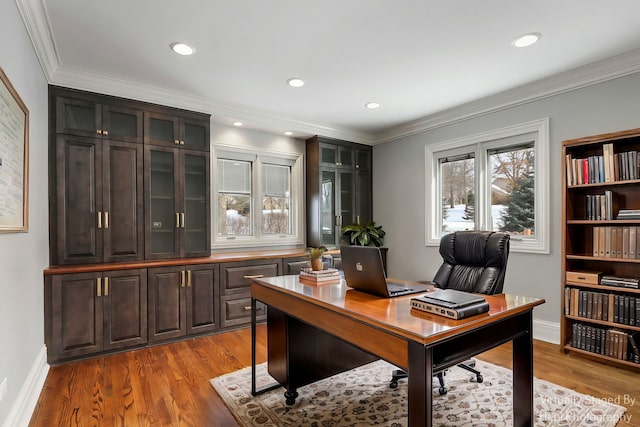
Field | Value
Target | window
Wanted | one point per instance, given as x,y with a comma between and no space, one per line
494,181
259,197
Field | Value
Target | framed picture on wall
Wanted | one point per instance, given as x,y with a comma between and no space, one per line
14,159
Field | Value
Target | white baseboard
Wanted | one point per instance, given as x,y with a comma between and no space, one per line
22,410
546,331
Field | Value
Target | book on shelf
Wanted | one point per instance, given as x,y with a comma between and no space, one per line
628,214
608,167
615,242
623,282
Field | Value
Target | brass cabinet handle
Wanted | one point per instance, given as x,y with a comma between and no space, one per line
182,279
105,132
246,308
99,287
357,219
181,142
106,286
182,219
177,219
189,278
176,142
257,276
106,219
99,131
99,219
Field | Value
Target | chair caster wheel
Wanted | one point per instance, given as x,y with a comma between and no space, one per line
442,391
479,378
393,384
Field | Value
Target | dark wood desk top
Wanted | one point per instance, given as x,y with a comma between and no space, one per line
393,315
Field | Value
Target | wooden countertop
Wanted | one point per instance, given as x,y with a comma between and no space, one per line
214,258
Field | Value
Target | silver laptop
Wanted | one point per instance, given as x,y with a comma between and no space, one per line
363,270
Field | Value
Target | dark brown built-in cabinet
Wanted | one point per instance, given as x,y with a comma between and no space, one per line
183,300
94,312
96,210
338,188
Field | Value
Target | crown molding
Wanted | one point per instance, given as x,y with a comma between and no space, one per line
37,25
590,74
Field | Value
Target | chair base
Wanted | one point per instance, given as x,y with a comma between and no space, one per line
399,374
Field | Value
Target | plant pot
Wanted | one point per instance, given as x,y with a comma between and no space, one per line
316,264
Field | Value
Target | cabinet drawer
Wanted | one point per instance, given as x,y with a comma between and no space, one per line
237,311
236,277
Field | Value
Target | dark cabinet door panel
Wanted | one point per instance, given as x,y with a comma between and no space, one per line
123,202
167,306
76,315
122,123
125,308
77,117
202,299
79,166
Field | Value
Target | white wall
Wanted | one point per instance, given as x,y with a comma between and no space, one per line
605,107
23,256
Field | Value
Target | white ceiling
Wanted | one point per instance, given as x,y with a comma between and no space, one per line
423,60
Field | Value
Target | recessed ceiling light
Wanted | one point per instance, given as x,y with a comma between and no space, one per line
295,82
237,123
526,40
182,49
288,133
372,105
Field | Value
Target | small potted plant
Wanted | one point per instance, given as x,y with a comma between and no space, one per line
364,235
316,257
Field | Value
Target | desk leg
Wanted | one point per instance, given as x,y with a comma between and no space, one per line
253,346
420,394
254,391
523,375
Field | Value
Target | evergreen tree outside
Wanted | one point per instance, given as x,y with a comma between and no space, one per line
519,214
470,207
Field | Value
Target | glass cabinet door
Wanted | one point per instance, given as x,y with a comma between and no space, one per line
347,200
196,135
328,155
196,227
327,207
78,117
121,124
163,216
346,157
160,129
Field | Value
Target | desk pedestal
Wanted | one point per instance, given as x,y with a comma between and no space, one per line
299,354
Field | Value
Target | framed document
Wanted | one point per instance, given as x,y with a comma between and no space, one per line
14,159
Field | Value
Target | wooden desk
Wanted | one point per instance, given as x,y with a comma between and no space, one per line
357,328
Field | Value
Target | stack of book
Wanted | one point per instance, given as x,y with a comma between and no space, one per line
320,277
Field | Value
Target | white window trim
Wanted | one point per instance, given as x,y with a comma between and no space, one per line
259,156
540,244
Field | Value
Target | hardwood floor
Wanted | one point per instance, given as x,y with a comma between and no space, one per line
168,385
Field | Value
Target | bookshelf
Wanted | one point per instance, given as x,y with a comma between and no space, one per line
600,315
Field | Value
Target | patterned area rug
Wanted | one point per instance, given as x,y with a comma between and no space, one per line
362,397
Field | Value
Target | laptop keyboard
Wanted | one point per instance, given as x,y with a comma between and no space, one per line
397,289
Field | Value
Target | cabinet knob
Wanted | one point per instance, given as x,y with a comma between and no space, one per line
177,142
181,142
99,131
105,132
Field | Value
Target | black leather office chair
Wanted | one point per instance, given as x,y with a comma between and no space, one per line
473,261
